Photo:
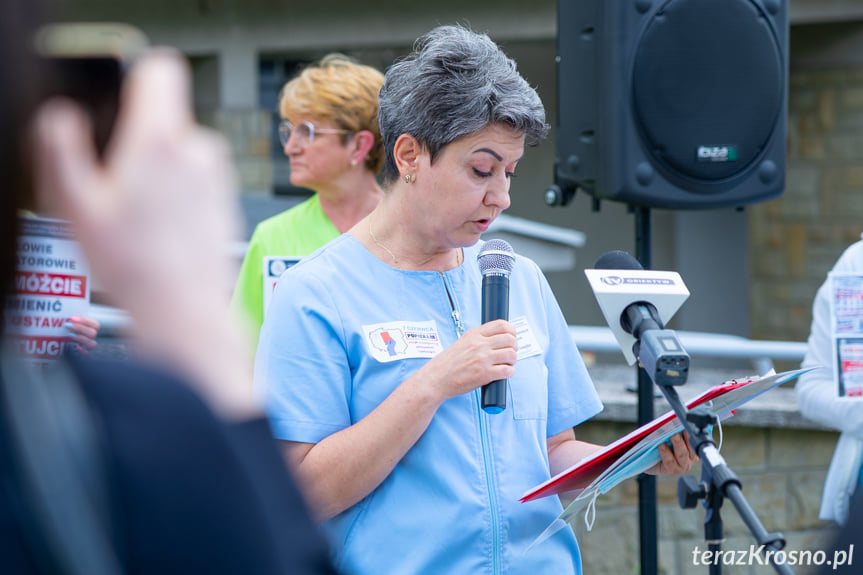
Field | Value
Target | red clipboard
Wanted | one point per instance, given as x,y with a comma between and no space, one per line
725,397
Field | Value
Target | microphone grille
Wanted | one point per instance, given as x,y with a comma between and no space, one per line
496,257
617,260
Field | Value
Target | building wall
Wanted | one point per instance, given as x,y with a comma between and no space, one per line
226,39
795,239
751,273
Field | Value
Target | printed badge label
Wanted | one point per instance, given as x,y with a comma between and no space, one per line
273,268
396,340
527,344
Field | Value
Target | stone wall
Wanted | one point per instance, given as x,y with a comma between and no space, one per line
795,238
781,481
780,457
251,137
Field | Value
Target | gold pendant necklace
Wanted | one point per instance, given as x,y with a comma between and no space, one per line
458,254
374,239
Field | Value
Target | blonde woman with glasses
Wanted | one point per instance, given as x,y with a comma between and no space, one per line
329,131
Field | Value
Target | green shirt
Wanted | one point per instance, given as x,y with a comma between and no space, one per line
293,233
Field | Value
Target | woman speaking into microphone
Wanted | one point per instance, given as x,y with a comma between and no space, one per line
373,352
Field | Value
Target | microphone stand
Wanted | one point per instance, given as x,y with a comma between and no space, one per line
718,483
647,515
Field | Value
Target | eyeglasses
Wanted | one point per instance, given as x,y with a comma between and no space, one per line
304,133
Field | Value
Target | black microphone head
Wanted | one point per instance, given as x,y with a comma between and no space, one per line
617,260
496,257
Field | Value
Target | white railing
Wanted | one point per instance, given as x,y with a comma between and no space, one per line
596,339
556,247
718,345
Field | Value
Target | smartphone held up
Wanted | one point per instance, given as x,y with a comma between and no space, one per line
86,63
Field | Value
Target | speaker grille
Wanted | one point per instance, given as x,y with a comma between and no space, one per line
707,87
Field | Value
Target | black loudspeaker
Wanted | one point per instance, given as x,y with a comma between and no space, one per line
672,103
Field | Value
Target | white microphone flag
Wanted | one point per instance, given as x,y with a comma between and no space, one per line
616,289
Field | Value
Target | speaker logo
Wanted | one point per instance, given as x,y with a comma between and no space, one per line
716,154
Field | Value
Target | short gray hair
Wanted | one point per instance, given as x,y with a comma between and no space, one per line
455,83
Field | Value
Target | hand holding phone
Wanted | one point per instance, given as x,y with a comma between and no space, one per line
154,215
87,62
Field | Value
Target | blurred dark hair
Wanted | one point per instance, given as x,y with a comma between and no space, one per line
20,81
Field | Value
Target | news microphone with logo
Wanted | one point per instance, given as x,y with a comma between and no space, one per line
657,349
496,260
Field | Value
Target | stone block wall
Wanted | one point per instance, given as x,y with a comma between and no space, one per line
794,239
781,481
250,135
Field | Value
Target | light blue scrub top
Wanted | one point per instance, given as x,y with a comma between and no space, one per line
345,329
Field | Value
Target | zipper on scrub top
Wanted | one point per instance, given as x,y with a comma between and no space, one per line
456,317
485,440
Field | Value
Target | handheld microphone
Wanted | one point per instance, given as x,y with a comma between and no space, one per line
496,260
656,348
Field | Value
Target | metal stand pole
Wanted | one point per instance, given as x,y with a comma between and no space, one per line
646,483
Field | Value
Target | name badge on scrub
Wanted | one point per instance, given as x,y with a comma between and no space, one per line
396,340
527,344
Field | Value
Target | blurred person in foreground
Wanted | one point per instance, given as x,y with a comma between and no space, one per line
329,131
844,542
386,432
193,480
